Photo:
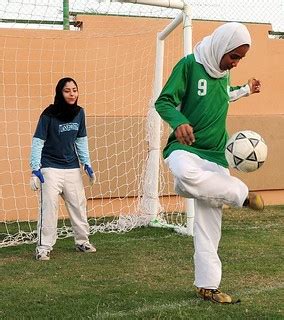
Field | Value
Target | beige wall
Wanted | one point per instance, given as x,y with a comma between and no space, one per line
108,58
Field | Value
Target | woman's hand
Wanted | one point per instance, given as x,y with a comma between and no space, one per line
184,134
254,85
36,180
90,172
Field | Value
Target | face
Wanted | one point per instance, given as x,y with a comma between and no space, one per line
231,59
70,92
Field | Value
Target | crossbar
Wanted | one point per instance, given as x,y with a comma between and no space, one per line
174,4
169,28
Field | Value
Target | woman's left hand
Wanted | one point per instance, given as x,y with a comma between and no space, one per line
254,85
90,172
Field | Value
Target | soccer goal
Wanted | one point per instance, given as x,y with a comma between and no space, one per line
120,63
120,53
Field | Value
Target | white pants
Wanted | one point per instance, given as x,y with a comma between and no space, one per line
69,185
211,186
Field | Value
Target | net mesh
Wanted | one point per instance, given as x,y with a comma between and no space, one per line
113,62
48,13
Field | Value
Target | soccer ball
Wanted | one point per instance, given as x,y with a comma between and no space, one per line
246,151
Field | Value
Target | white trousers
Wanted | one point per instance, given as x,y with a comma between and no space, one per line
69,185
211,186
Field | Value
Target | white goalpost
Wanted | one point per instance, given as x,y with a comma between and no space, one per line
150,199
149,205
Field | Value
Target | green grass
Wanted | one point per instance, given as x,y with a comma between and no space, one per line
148,274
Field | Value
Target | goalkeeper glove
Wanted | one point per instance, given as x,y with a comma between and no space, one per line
89,171
35,179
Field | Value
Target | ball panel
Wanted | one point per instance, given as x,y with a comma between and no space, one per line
240,135
242,148
261,151
254,141
252,156
237,160
230,158
248,166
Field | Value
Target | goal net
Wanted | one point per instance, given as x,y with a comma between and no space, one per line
112,59
110,49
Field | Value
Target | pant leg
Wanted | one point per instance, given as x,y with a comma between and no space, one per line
204,180
211,186
48,208
75,200
207,234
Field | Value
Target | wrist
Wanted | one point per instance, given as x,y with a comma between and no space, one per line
248,89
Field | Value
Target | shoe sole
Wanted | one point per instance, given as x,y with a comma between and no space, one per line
85,251
43,259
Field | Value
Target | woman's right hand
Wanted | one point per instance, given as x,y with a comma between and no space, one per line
36,179
184,134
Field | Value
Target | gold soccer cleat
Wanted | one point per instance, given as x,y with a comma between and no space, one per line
254,201
215,295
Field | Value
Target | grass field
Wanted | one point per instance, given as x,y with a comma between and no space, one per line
148,274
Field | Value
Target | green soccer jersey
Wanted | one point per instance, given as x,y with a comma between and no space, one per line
203,103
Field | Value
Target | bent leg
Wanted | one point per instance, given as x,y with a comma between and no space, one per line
204,180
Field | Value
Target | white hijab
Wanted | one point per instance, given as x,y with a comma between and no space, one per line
224,39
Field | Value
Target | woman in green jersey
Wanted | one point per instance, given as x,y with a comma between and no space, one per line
194,102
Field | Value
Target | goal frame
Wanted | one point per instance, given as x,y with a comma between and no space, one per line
150,203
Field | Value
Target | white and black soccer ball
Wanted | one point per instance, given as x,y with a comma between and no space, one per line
246,151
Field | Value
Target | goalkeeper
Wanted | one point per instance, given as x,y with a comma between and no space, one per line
195,102
58,145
